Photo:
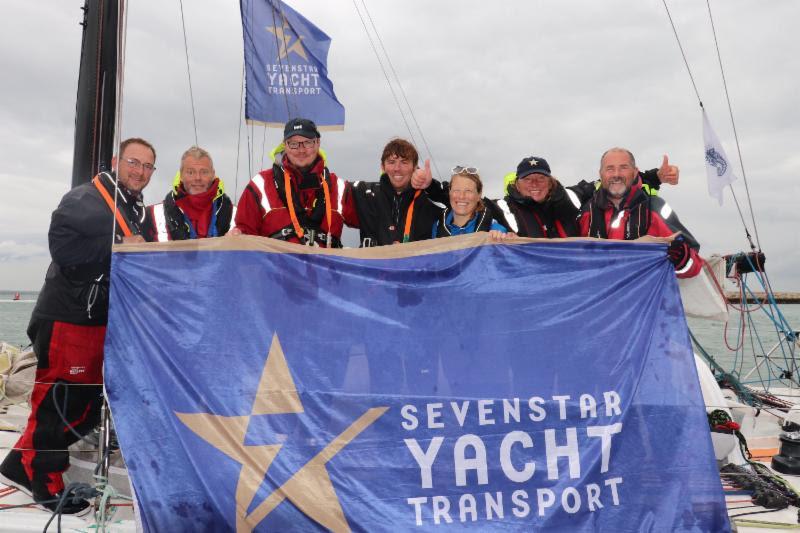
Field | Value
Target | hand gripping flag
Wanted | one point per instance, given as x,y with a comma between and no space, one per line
286,64
453,384
718,167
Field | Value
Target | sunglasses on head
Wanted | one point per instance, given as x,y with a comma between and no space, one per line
464,170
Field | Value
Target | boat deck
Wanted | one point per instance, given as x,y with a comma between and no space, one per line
755,518
27,517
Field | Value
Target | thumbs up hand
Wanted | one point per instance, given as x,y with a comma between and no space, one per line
668,173
422,178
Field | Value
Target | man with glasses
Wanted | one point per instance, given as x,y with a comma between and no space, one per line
297,200
68,323
197,206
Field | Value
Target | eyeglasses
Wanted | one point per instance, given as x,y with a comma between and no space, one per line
464,170
294,145
136,164
190,173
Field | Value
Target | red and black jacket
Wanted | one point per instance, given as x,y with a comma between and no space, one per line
634,218
301,213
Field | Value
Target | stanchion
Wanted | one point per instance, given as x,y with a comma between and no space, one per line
104,447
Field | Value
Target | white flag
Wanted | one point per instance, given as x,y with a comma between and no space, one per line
718,167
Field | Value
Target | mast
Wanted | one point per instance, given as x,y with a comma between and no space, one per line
96,101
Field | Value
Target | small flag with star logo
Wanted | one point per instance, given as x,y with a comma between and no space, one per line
286,65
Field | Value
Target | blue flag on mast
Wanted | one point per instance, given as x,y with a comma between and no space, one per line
286,60
453,384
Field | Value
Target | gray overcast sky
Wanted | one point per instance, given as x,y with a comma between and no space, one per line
490,83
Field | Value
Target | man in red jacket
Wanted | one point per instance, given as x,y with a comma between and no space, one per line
620,209
298,199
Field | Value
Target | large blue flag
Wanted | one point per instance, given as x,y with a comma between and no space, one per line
442,385
286,60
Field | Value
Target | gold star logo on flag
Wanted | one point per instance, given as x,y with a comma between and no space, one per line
309,488
283,35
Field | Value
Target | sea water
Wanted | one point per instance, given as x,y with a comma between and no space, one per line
717,339
752,329
14,316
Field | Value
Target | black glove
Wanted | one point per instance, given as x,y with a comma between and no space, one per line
678,252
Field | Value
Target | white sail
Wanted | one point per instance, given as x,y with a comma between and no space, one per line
701,295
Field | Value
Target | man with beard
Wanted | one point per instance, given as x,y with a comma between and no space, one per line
197,206
538,205
297,200
68,323
620,209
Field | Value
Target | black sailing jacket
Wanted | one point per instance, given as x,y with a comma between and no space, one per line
382,212
76,284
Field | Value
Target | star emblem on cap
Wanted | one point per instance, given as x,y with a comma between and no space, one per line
533,162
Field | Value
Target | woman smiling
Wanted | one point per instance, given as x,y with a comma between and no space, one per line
467,213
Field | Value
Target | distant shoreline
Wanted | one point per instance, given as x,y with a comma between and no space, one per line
21,291
780,297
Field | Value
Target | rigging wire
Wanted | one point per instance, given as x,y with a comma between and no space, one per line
733,124
278,43
275,8
122,35
400,86
121,47
188,73
292,101
683,54
120,43
239,137
263,144
784,331
783,367
248,125
385,74
250,163
700,101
